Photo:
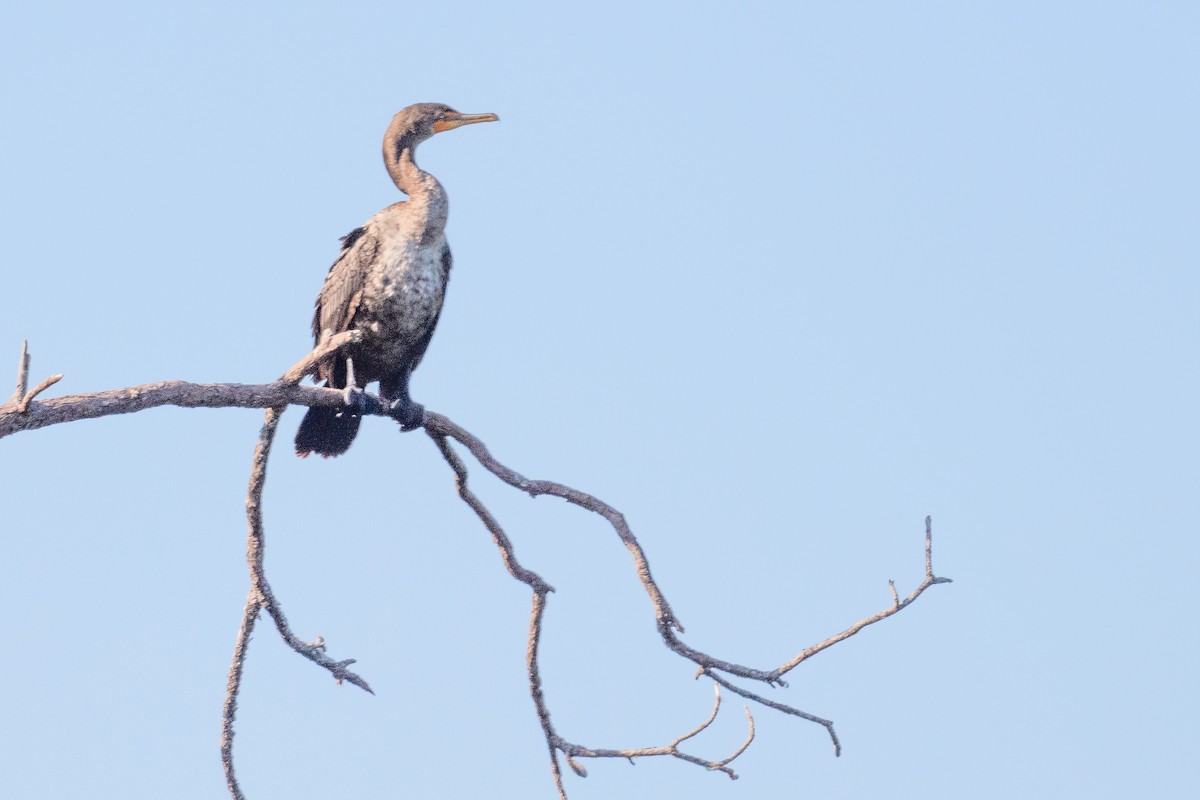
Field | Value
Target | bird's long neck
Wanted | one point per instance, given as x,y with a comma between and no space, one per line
424,191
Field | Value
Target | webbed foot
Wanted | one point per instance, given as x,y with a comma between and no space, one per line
355,400
410,415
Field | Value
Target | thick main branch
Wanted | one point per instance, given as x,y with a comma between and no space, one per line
23,413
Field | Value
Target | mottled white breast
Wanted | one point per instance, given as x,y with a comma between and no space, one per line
405,296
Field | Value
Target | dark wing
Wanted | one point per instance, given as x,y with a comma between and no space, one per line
343,289
418,352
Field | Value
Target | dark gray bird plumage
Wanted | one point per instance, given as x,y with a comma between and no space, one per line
388,282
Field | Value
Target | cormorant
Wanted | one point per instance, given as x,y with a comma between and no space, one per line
388,282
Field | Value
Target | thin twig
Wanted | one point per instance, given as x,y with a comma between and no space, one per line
749,737
22,372
786,709
896,607
711,717
307,365
672,749
23,406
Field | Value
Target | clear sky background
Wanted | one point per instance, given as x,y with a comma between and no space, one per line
775,279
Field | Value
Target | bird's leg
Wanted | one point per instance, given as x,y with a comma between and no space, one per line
354,397
398,405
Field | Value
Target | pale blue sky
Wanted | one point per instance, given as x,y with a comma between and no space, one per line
775,279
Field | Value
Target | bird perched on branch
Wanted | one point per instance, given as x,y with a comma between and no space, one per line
389,283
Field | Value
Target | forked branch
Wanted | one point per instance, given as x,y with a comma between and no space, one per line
441,430
24,412
434,424
260,596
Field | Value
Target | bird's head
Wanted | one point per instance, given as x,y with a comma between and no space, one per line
418,122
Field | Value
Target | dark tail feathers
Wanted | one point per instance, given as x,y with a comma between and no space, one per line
326,432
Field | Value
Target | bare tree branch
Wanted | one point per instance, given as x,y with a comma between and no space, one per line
576,751
436,424
23,406
232,686
23,412
261,596
896,607
22,373
255,545
70,408
786,709
554,742
440,429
